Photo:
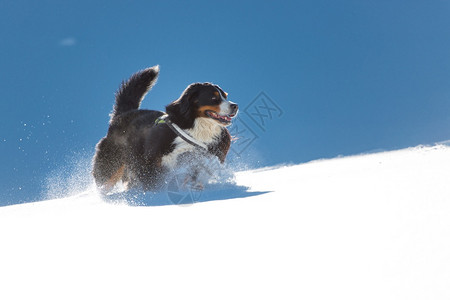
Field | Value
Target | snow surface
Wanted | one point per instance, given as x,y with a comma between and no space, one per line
373,226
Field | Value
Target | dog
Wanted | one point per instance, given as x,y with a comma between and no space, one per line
142,146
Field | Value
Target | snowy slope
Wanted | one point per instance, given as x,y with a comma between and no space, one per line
373,226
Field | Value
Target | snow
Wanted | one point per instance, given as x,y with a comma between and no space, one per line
373,226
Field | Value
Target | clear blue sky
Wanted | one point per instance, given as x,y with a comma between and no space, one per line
349,76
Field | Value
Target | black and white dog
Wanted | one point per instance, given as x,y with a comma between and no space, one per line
141,146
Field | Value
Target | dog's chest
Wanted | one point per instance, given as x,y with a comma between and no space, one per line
204,130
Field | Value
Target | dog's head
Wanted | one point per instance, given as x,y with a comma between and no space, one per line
202,100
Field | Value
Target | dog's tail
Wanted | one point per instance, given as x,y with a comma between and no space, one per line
132,91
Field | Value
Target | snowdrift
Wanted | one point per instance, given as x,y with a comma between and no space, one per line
373,226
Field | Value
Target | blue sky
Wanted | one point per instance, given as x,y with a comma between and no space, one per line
347,76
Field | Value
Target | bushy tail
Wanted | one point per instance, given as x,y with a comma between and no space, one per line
132,91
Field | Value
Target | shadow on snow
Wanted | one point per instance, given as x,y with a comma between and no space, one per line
173,195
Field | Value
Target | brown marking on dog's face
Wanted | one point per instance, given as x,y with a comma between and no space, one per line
217,94
201,111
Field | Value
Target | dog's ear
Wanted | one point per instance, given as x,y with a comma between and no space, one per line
182,111
187,100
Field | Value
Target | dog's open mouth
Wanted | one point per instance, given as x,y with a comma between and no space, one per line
226,120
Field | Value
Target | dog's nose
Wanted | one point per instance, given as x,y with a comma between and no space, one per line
234,106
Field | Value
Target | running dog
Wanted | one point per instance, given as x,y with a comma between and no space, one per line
142,146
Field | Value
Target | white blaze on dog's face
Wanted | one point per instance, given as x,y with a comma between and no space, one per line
213,104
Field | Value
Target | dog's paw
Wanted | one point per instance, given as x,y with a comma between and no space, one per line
191,183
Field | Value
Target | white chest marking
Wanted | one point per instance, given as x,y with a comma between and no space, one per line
205,130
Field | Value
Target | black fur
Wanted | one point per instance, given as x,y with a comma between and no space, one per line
136,145
131,92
